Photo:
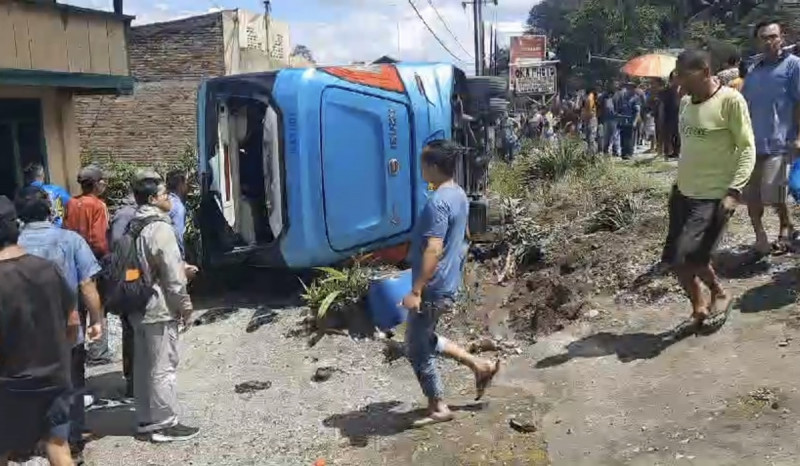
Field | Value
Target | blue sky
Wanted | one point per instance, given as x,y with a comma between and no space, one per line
341,31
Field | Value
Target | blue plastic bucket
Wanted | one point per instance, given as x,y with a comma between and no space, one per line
384,297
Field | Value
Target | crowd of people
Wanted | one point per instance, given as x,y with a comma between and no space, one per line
738,133
65,262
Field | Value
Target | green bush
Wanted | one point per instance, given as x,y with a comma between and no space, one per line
336,290
120,173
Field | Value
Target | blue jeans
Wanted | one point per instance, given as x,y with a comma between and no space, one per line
423,345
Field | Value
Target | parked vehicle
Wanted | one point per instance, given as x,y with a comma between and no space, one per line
308,167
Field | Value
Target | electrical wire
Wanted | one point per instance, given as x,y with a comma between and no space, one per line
447,26
433,33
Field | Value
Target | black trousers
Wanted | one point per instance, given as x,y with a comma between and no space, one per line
626,136
127,354
77,413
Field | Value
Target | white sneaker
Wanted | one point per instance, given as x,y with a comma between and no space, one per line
178,433
88,400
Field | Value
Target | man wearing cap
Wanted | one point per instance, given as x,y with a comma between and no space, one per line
87,215
36,332
156,327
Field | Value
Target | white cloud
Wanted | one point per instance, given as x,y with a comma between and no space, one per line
364,30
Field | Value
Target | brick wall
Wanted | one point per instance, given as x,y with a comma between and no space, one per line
156,123
168,61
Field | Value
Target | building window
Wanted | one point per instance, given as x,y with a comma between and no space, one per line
21,141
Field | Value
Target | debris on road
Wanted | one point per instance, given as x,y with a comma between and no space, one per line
252,387
523,427
480,346
260,318
323,374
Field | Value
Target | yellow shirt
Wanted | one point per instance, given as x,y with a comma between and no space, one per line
717,145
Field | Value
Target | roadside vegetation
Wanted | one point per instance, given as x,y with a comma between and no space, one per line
575,225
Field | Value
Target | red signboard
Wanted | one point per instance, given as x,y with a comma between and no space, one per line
528,48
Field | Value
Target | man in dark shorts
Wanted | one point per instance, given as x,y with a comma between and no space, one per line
717,160
36,331
438,252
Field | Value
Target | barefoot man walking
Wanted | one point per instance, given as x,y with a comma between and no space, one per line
438,254
716,162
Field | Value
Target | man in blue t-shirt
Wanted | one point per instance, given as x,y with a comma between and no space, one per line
438,252
772,91
70,252
59,197
628,106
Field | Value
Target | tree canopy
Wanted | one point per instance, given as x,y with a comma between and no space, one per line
623,29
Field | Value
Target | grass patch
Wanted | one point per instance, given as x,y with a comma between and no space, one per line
554,196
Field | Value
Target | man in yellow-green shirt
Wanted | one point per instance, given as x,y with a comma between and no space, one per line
717,159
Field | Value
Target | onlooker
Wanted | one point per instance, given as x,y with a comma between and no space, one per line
611,142
731,71
589,119
738,83
438,254
36,331
650,129
87,215
119,225
59,197
79,267
669,108
628,108
156,328
772,90
717,160
178,189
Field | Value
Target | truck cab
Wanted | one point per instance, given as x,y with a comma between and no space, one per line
308,167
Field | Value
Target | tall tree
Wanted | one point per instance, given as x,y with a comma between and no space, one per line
304,52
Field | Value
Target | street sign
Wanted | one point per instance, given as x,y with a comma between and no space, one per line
528,49
536,79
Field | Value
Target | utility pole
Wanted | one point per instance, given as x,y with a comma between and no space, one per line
267,12
477,15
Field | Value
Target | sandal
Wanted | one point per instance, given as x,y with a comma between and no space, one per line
781,247
483,382
432,419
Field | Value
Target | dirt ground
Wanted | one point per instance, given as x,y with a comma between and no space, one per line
612,389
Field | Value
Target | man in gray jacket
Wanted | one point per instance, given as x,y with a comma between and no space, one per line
156,329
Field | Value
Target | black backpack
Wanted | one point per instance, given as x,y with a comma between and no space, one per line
126,287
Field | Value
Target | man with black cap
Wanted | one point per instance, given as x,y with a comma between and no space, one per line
87,215
155,329
36,333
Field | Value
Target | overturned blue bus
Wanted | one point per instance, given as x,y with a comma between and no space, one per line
308,167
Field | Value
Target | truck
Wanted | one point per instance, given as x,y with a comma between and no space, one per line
309,167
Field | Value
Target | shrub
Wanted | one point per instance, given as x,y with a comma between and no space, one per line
336,290
617,214
120,173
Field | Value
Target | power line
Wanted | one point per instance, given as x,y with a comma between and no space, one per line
447,26
421,18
